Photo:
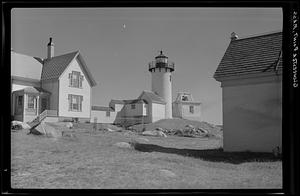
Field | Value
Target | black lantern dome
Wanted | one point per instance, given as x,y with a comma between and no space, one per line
161,61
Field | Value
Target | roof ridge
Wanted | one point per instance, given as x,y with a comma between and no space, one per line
259,35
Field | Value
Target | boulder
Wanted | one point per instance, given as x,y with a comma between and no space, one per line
159,129
203,131
123,145
19,125
69,125
154,133
189,126
161,134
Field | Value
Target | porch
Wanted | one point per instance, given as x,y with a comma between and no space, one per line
29,103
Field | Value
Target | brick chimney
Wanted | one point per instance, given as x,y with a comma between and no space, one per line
50,49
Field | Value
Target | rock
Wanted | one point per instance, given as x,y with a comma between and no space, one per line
203,131
151,133
154,133
69,125
189,126
161,134
159,129
16,127
123,145
167,173
110,130
19,125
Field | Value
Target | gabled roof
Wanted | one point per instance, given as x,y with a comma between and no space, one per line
54,67
25,66
102,108
153,97
252,55
128,101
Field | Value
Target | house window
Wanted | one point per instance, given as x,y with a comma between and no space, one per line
75,102
20,100
132,106
108,113
75,79
192,109
30,102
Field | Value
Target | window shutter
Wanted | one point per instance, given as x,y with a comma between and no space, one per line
70,101
80,81
70,79
81,99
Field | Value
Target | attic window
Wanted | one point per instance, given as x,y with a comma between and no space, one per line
184,98
75,79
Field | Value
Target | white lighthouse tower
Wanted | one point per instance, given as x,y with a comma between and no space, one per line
161,70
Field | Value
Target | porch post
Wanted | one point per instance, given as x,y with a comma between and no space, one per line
24,105
38,105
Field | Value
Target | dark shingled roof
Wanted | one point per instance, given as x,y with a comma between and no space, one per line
154,98
251,55
54,67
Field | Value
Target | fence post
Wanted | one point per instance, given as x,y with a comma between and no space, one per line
95,124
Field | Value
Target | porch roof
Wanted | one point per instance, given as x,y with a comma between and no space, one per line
34,90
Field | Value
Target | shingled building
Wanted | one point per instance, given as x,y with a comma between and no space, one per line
250,73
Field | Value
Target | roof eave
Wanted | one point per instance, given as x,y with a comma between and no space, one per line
89,74
248,76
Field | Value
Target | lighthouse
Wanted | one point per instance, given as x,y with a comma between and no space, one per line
161,71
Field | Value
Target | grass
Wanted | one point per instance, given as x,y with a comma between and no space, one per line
92,161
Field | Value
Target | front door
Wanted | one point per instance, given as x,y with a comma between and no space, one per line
44,104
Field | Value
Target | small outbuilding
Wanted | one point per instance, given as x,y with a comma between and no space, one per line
250,73
185,107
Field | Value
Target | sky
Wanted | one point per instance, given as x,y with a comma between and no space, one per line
118,43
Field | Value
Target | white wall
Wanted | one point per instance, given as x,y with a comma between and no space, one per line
158,111
186,114
138,111
52,87
64,90
162,85
252,117
176,110
101,116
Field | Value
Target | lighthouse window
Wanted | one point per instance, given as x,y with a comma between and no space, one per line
170,78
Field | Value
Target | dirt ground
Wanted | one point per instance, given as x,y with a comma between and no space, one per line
91,160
